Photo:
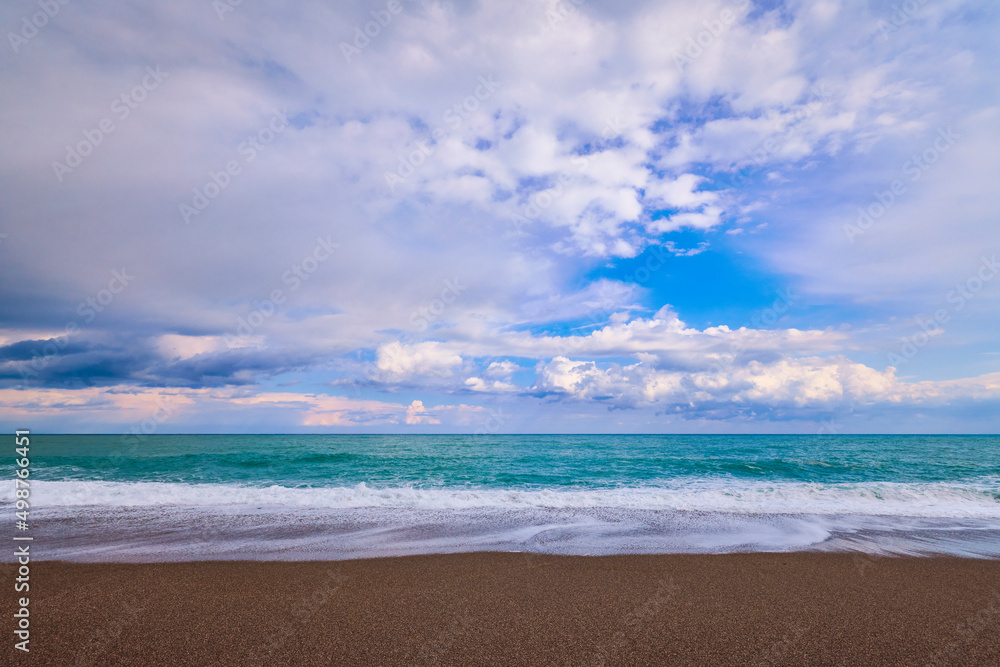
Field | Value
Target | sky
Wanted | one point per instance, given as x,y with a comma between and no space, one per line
582,216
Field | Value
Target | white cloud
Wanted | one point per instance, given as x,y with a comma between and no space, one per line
419,359
495,387
663,336
175,347
501,369
815,383
416,413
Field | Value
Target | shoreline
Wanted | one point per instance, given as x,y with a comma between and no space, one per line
519,608
177,533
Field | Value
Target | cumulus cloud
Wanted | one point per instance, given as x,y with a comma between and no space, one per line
416,413
810,383
420,359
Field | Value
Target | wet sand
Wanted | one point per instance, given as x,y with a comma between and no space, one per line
516,609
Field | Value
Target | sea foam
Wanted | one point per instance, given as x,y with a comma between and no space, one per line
969,499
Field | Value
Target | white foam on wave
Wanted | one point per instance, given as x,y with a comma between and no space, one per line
971,499
185,533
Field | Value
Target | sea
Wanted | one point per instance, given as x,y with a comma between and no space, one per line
315,497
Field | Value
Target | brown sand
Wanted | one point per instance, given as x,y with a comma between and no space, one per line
517,609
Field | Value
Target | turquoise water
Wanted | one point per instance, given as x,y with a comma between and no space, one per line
522,461
180,497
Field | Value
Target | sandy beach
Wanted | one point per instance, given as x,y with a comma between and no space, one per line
520,609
